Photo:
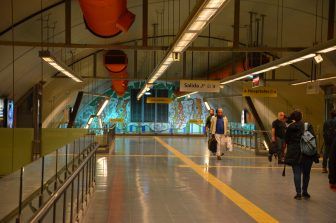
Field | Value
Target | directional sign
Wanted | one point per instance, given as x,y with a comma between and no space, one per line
196,121
199,85
158,100
113,120
260,92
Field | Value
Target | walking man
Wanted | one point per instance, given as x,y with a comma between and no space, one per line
329,134
219,130
278,137
208,121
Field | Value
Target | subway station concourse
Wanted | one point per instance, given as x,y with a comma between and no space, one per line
168,111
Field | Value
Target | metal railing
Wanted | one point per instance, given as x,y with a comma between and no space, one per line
104,137
54,188
251,140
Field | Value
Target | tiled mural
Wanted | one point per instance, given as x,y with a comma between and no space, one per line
181,111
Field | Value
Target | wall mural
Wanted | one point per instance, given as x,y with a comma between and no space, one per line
186,115
181,112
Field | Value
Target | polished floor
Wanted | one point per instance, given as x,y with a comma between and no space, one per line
173,179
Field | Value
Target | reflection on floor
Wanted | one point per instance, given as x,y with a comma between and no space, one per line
146,180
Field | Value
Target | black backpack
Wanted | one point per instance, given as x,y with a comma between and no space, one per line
330,132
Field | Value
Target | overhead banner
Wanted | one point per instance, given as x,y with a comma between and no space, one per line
260,92
158,100
199,85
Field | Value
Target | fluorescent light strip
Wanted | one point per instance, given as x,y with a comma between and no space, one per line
89,122
102,107
63,68
207,105
186,95
206,14
272,68
197,26
236,79
100,123
188,36
327,50
193,29
319,79
215,3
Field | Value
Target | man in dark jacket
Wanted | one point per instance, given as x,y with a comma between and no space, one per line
208,121
278,137
329,135
332,167
301,163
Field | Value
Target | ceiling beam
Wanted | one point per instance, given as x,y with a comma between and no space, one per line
149,48
178,78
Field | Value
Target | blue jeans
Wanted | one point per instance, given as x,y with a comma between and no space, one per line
302,169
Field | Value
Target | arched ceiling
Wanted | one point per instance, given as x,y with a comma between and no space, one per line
293,24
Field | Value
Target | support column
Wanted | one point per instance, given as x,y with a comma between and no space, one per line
331,19
75,109
37,120
68,22
184,65
236,27
135,61
144,22
236,24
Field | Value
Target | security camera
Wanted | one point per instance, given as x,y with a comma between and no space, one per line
318,58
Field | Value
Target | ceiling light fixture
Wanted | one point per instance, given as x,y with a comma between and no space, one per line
49,58
309,81
202,15
187,95
102,107
305,54
207,105
100,123
89,121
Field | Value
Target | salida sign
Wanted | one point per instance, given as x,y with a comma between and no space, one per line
199,85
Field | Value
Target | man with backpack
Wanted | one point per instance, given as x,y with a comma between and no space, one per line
329,135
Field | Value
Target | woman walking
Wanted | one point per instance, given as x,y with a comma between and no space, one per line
301,163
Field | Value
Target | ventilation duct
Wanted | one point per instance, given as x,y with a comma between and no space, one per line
116,63
106,18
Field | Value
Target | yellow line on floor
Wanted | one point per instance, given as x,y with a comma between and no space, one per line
136,155
247,206
172,156
244,167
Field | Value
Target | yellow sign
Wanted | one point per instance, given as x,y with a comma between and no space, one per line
158,100
113,120
196,121
260,92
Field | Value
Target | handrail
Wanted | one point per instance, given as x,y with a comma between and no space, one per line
48,205
37,192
